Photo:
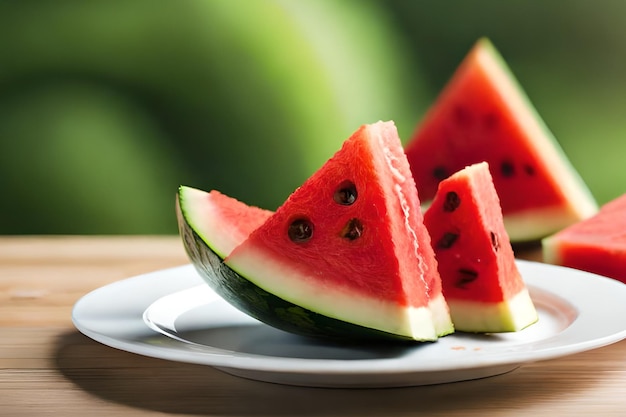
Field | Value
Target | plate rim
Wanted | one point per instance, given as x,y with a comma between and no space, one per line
226,359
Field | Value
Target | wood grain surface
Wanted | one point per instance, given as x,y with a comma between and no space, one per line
48,368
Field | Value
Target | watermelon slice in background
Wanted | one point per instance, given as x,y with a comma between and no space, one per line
347,255
481,282
484,115
596,245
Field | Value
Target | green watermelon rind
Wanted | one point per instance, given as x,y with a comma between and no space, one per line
263,305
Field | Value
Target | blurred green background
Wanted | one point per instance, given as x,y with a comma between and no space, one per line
106,106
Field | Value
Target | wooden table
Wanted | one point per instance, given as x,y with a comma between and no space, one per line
49,368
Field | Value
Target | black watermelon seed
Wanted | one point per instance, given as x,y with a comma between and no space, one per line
507,168
466,276
447,240
440,173
462,115
452,201
490,121
529,169
300,230
352,230
495,242
346,194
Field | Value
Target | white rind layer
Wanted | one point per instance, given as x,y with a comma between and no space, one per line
535,224
512,315
207,221
551,250
441,316
261,268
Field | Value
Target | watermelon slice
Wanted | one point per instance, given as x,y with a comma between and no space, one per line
212,212
481,282
596,245
483,115
212,224
347,255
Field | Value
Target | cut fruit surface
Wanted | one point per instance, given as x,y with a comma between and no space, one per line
346,256
483,115
481,281
209,224
350,243
596,245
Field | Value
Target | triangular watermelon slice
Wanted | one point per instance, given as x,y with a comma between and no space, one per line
211,225
596,245
481,282
483,115
214,213
350,243
347,255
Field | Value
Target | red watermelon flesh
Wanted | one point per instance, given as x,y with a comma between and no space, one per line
483,115
596,245
350,243
213,211
481,281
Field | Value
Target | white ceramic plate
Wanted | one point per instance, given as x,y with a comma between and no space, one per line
171,314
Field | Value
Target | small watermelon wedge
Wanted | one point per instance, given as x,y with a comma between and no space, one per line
481,281
483,114
596,245
346,256
213,212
